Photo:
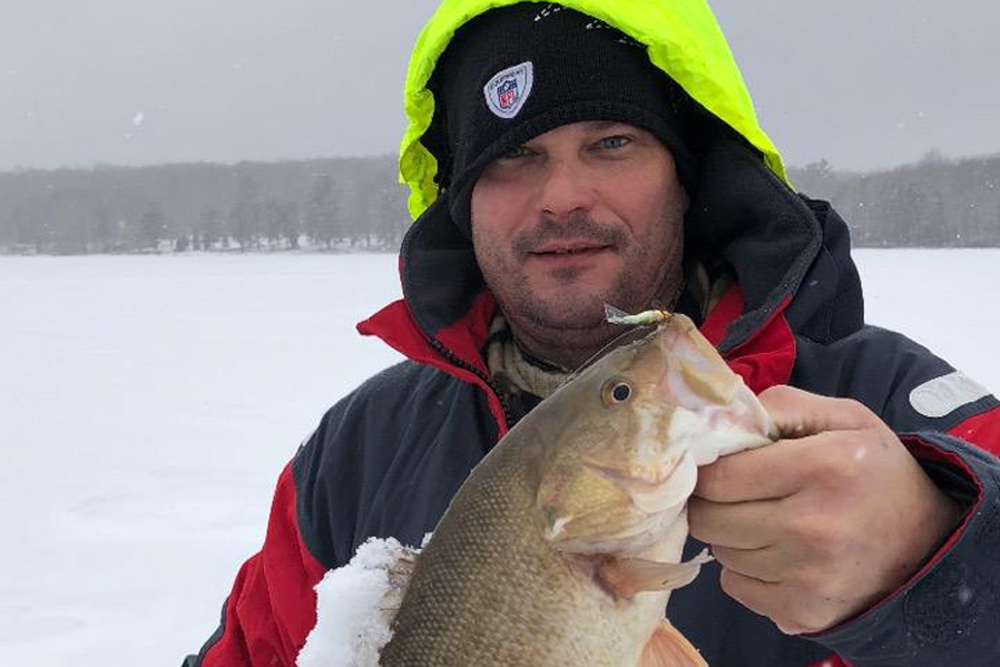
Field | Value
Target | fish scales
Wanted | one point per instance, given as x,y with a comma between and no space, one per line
488,614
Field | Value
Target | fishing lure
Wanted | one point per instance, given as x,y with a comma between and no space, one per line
645,318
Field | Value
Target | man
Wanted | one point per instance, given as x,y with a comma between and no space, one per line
558,163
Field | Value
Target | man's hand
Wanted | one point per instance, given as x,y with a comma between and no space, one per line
819,526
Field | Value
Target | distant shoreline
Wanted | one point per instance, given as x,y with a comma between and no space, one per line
350,203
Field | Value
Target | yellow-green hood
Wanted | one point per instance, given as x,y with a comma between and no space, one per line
682,38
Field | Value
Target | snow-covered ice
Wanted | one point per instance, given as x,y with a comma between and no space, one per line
147,405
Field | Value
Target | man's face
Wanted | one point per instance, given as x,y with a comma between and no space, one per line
586,214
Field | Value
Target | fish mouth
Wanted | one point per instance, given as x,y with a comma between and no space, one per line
655,489
637,475
648,505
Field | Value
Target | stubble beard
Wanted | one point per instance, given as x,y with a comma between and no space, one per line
574,317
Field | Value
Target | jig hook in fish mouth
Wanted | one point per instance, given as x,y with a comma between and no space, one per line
638,327
645,318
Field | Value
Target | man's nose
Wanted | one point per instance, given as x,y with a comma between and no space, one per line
565,188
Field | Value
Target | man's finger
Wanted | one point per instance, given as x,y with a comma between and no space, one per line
761,564
786,467
768,472
752,593
799,413
764,598
772,472
733,525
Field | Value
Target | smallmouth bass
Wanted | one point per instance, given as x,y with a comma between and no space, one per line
562,546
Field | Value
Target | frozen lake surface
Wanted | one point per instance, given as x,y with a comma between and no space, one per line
147,405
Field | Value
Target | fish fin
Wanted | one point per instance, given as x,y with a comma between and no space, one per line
669,648
398,575
627,576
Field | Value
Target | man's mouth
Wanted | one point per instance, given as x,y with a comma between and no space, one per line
559,250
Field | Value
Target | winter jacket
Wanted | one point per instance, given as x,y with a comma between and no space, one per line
386,460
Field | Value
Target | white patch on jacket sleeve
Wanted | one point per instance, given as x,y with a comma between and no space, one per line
351,623
508,90
943,395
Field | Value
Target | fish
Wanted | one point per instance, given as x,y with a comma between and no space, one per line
563,544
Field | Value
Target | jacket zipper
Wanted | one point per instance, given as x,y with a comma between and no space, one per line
461,363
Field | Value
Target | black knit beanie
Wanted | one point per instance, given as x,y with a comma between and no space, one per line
516,72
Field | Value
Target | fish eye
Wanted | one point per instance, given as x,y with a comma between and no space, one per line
617,391
621,392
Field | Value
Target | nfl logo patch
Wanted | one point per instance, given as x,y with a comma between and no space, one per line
507,93
508,90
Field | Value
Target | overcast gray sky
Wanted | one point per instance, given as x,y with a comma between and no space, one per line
862,83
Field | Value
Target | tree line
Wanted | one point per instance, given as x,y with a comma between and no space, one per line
326,204
935,202
340,204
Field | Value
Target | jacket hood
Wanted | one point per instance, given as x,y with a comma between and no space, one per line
744,211
682,39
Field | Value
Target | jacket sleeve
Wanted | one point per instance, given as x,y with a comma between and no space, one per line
272,606
321,497
948,613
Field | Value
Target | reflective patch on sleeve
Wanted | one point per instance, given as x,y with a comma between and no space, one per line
942,395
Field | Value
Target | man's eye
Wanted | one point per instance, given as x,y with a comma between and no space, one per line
617,141
516,152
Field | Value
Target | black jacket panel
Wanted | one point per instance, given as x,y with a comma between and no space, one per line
386,460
